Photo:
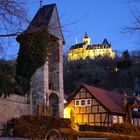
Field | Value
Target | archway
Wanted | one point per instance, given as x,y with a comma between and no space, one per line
54,105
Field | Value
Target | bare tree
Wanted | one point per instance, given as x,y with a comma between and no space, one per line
135,26
12,18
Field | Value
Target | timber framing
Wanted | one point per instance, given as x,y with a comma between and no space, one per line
104,109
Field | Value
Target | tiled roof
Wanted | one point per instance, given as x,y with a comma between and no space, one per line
98,46
80,45
65,96
112,101
90,47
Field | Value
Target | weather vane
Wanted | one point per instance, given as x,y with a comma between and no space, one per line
41,1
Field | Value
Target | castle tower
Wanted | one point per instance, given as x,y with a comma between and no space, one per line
86,39
46,86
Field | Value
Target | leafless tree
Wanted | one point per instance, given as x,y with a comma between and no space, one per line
12,18
135,26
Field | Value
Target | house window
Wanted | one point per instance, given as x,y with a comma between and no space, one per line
114,119
82,102
135,109
120,119
76,102
88,102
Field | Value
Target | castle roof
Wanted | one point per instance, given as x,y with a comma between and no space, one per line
98,46
76,46
103,45
105,42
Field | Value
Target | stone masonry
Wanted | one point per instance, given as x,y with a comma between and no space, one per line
13,106
47,87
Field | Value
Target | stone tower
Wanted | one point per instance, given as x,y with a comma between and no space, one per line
46,86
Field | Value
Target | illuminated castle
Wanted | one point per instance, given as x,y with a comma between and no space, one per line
86,50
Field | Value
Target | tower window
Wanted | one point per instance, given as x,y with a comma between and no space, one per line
50,85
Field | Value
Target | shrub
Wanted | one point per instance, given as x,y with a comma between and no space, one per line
35,126
123,128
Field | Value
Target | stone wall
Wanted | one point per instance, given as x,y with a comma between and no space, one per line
13,106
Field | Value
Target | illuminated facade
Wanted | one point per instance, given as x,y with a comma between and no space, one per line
86,50
95,106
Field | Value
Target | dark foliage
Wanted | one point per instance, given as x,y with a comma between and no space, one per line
32,55
116,75
93,128
124,128
35,126
7,78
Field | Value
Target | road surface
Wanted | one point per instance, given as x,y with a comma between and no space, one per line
93,139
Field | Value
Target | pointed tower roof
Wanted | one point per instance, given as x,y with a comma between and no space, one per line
105,42
86,35
47,17
42,17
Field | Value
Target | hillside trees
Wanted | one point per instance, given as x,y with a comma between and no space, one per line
101,73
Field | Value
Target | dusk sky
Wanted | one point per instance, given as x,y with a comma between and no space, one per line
100,18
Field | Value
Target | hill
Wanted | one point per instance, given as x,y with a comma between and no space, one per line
120,74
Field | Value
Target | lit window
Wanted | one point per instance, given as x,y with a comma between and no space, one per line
120,119
76,102
135,109
82,102
114,119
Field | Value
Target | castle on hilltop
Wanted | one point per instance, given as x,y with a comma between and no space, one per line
86,50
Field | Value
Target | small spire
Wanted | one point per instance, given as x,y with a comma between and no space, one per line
41,1
76,41
86,35
105,42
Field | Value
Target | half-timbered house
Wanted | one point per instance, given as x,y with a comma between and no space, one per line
95,106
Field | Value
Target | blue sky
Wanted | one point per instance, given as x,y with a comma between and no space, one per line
100,18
